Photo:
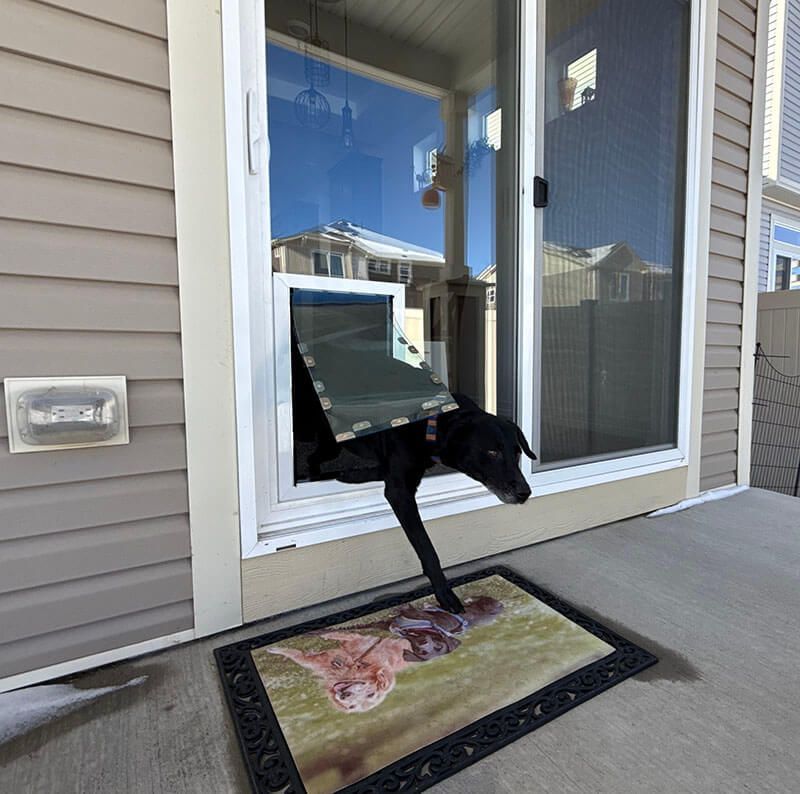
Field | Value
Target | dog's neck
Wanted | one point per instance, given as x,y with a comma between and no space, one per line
432,438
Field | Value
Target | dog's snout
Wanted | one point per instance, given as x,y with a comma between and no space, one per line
522,492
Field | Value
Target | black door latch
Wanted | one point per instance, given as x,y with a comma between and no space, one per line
540,188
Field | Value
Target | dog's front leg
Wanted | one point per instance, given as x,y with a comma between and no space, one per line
401,497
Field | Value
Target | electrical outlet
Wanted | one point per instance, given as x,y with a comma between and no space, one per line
66,413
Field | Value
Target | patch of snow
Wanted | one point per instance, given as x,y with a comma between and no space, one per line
708,496
25,709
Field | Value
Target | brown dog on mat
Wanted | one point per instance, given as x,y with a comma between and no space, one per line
360,673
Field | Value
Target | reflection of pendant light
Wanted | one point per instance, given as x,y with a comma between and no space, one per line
318,71
311,108
347,113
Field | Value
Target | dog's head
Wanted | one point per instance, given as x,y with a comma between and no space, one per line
488,449
363,693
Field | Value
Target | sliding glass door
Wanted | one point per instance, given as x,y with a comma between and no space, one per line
615,89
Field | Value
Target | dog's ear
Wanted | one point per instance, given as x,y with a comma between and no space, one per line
523,442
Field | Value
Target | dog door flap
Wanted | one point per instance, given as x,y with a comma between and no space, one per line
368,375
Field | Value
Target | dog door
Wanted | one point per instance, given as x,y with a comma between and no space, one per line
361,370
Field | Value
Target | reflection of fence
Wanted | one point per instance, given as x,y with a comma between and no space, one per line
776,428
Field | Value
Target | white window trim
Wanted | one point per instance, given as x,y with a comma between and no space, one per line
776,247
328,255
356,510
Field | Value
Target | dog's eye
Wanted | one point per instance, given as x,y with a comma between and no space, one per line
493,454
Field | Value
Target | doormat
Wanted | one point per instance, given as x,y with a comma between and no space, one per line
398,694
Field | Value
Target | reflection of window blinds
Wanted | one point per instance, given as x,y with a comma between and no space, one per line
492,127
584,70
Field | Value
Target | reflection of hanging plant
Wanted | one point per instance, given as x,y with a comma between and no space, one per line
475,154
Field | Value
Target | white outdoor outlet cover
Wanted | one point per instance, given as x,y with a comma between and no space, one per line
45,414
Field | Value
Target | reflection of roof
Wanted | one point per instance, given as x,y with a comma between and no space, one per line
616,257
371,243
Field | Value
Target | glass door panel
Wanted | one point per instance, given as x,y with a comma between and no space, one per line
393,149
615,131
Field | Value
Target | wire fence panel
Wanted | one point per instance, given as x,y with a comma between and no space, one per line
776,427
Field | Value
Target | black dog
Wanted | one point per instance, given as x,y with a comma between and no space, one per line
470,440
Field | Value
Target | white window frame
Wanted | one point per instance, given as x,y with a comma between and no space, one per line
354,510
382,267
779,248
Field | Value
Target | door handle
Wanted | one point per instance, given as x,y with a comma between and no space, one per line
540,191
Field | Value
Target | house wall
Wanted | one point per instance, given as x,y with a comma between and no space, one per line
768,209
94,543
733,103
789,165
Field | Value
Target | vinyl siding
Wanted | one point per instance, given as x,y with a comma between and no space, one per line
789,167
780,212
94,544
733,98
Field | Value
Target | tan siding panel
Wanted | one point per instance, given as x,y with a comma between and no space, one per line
725,245
731,54
63,37
729,176
47,197
718,480
147,16
721,400
730,153
730,200
71,147
724,312
104,635
732,105
717,443
718,334
91,552
151,449
723,221
725,290
737,37
733,81
742,13
63,92
150,403
721,378
69,305
720,422
722,356
719,464
731,129
40,610
37,249
63,353
33,511
725,267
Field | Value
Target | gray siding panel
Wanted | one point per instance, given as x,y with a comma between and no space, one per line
94,543
789,166
732,124
763,248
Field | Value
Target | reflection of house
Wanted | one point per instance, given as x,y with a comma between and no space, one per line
345,250
608,273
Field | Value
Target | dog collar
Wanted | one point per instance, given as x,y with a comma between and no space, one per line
431,434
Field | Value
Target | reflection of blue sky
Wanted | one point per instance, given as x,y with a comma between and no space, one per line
314,179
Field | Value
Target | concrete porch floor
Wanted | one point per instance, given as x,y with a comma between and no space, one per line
714,591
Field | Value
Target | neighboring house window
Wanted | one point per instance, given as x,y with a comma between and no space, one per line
584,71
491,295
326,263
404,273
492,128
379,266
785,258
620,287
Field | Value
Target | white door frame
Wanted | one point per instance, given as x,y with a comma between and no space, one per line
355,510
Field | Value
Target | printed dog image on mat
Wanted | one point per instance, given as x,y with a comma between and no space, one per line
360,672
362,694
